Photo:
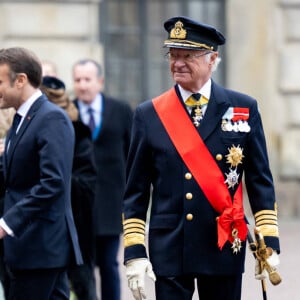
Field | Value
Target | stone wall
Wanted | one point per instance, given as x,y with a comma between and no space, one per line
263,46
62,31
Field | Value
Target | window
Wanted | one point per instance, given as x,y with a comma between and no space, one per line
132,34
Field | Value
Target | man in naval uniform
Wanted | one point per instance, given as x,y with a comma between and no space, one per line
193,144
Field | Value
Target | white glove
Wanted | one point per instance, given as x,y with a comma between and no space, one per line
135,273
273,261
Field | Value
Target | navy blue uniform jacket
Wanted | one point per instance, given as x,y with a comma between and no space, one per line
37,207
179,246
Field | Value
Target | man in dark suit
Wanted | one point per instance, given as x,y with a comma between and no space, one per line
40,238
193,144
82,190
110,123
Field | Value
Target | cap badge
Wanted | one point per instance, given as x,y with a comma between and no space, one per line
178,32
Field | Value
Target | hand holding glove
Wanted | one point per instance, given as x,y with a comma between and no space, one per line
135,273
273,262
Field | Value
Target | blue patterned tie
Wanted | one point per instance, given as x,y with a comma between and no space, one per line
91,122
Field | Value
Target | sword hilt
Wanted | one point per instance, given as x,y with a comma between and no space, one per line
262,254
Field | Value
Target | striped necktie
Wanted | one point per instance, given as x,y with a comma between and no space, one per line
196,102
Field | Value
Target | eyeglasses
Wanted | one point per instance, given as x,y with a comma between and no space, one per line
188,57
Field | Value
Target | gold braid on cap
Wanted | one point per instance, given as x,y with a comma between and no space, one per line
266,221
134,232
186,43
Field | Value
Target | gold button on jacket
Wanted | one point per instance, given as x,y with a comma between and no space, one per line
189,196
188,176
219,157
189,217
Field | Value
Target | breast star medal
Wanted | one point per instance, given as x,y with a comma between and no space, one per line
236,244
234,158
232,178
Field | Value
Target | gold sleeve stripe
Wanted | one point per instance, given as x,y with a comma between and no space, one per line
269,217
137,230
134,220
265,215
134,239
266,222
269,230
133,225
266,212
134,232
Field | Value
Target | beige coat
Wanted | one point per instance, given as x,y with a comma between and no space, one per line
6,116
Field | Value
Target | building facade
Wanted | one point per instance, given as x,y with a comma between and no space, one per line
260,56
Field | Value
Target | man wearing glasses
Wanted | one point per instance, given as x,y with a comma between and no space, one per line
193,145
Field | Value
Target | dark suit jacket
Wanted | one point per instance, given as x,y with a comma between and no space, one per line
37,173
178,246
111,149
83,189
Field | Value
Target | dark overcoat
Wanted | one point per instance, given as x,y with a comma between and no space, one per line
110,152
83,189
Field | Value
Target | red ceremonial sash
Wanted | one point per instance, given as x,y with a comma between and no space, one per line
202,165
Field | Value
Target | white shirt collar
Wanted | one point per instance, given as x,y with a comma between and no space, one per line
205,91
24,108
96,104
97,107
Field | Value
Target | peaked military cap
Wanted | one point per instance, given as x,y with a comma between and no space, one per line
186,33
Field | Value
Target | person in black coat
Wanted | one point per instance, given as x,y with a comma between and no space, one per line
82,190
110,123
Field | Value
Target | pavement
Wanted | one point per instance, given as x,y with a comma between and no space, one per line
288,269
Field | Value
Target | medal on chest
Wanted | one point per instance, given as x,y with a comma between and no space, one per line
236,119
237,243
234,158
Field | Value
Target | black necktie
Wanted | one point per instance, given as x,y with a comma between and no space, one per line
91,122
14,127
196,96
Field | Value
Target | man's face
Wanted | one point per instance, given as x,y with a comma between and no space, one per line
86,82
191,68
9,93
